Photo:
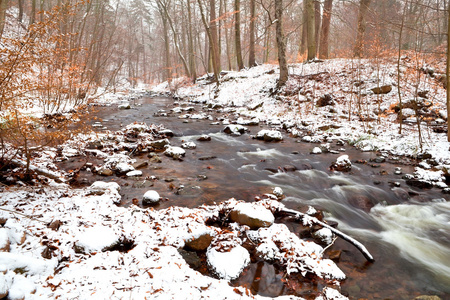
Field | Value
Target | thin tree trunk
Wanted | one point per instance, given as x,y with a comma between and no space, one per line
399,91
281,44
214,38
237,33
252,53
304,39
359,46
317,22
211,39
448,75
33,12
3,7
167,48
20,16
324,36
192,65
310,28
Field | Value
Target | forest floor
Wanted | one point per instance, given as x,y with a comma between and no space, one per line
63,242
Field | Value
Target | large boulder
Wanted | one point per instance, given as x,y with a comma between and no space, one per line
252,215
384,89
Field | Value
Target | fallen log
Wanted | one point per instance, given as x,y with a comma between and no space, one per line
340,234
46,173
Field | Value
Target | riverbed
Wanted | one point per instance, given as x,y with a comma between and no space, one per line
406,229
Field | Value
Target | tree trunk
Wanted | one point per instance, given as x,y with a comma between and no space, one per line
237,33
192,65
20,16
281,44
317,22
448,75
214,38
252,53
304,38
324,35
167,47
33,12
3,7
359,46
211,41
310,29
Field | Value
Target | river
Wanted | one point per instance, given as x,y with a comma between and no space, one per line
407,230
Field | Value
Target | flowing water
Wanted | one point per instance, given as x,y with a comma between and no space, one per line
407,230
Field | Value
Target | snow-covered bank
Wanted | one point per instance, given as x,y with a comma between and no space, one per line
76,244
348,100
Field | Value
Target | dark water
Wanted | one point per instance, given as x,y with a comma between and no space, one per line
407,230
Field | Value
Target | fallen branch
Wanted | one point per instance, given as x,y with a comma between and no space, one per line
349,239
24,215
46,173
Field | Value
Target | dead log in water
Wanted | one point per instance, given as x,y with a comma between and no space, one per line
358,245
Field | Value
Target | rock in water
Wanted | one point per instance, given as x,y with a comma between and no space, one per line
269,136
342,164
150,198
235,129
175,152
251,215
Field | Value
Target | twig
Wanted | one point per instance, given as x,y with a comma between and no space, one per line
331,244
24,215
349,239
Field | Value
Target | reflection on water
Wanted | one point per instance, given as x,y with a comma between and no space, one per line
409,240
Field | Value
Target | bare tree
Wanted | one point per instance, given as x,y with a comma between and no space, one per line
252,52
310,29
3,7
361,30
325,30
448,76
281,44
237,33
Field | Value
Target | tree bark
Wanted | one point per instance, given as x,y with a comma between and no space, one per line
324,35
310,29
33,12
237,33
252,52
192,64
281,44
448,75
3,7
20,16
317,22
211,41
167,47
214,38
361,30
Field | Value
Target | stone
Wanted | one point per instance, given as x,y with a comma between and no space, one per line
94,145
160,144
101,187
175,152
140,165
255,105
189,145
251,215
235,129
335,255
325,100
278,192
269,136
124,105
342,164
135,173
200,243
204,138
289,168
105,172
155,159
166,132
151,198
227,265
419,183
384,89
426,297
316,150
4,241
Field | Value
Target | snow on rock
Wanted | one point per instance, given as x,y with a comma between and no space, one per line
226,257
235,129
95,239
277,243
316,150
150,197
175,152
16,232
135,173
269,135
331,294
100,187
27,263
189,145
21,288
124,105
5,284
252,215
342,164
278,192
324,235
4,240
